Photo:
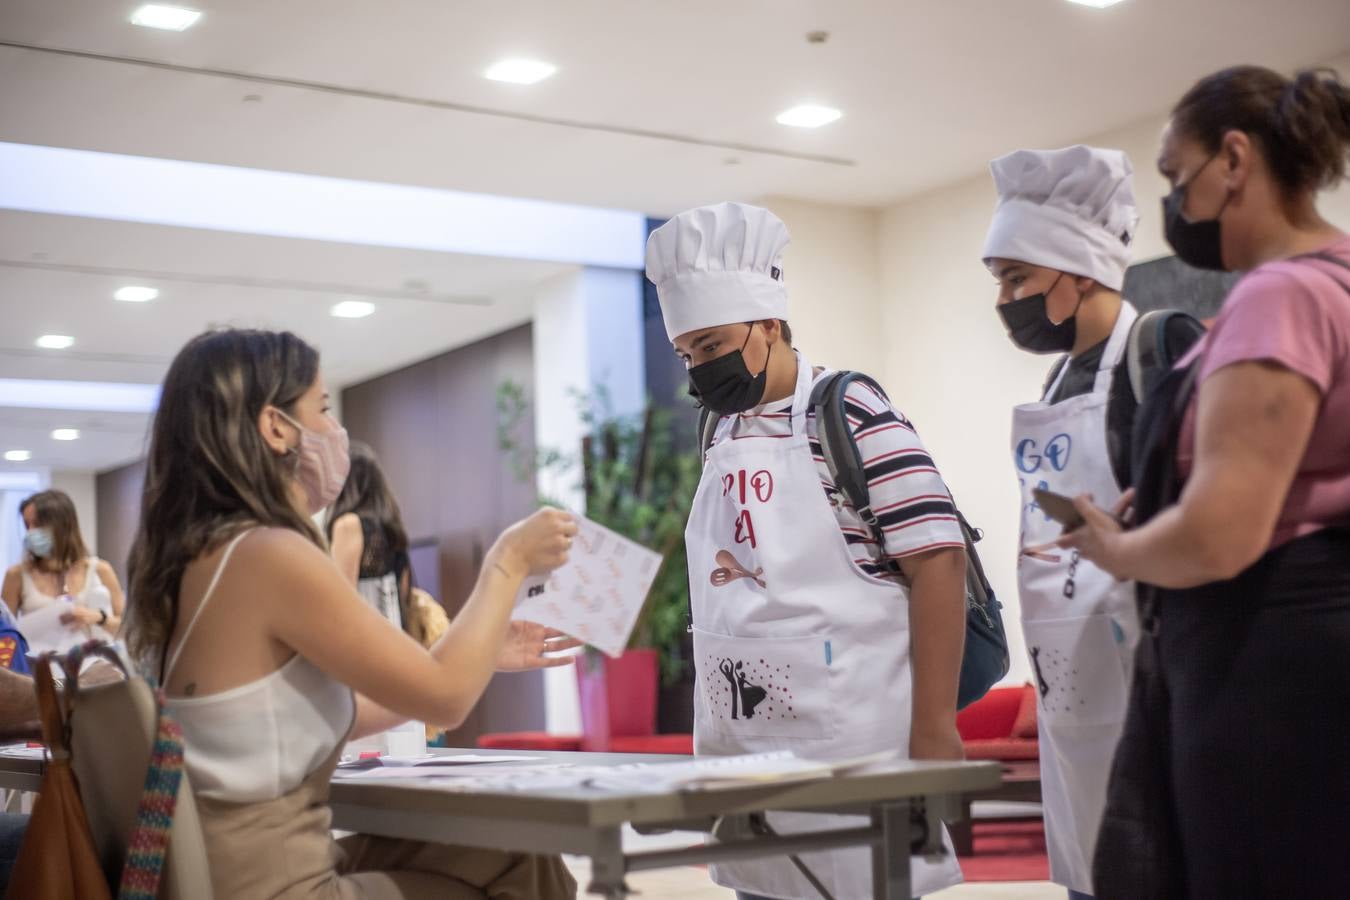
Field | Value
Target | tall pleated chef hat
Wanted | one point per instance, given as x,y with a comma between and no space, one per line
1072,210
718,265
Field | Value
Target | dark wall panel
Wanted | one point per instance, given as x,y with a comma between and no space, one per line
119,509
434,427
1168,283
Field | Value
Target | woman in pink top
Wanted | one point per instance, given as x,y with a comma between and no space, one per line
1232,778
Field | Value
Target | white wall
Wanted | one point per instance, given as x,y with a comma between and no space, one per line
950,366
833,277
83,491
588,336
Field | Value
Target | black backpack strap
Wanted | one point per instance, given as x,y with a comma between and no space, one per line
1054,374
1148,353
842,456
845,463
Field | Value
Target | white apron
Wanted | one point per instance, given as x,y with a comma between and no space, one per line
1080,623
794,647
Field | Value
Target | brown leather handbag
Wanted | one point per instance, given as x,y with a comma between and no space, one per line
57,860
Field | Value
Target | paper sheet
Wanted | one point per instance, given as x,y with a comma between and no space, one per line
24,752
43,630
476,775
705,774
432,759
597,596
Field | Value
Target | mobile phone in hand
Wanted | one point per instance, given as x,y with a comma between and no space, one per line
1059,508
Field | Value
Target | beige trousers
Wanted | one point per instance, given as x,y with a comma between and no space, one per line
284,849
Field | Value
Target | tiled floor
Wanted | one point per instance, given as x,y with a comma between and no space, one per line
693,883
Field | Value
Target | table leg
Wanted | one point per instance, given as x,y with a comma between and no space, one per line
890,855
607,866
963,831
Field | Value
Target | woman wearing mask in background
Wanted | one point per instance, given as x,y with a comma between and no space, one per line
269,657
1232,777
58,568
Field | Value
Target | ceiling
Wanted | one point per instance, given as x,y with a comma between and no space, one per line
58,275
930,89
655,107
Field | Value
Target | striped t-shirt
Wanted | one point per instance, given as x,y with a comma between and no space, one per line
908,495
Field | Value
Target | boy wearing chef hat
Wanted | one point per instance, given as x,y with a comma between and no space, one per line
808,635
1059,245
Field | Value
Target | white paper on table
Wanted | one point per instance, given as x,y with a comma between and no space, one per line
432,759
702,774
597,596
476,774
24,752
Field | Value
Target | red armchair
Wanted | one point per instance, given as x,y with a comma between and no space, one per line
1001,726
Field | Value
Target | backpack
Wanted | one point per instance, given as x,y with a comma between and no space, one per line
986,659
1147,354
1148,357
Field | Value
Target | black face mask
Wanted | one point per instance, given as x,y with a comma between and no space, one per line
1032,330
1198,244
725,385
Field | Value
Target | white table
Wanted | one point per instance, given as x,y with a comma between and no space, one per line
904,804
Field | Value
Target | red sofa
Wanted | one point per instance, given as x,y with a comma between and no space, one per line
677,744
1001,726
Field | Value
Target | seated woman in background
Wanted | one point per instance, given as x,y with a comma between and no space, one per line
57,564
369,542
370,546
269,657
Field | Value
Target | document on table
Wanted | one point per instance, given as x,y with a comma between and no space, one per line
432,759
704,774
478,774
597,596
23,752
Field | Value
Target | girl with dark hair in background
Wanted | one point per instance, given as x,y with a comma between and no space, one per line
1232,779
369,542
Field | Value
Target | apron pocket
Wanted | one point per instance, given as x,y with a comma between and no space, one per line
764,687
1076,664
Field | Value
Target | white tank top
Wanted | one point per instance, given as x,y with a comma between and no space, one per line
94,594
259,740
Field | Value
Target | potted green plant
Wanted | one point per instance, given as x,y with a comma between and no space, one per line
638,481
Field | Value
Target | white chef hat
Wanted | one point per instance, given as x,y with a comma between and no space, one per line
1071,210
718,265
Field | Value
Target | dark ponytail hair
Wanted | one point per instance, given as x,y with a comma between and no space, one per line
1302,124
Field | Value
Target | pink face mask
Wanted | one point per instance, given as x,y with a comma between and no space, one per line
322,464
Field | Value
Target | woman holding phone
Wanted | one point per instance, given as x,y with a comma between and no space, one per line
1232,778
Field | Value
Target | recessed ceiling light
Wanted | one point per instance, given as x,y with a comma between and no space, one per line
18,455
133,293
55,341
1096,4
66,434
352,309
520,71
808,116
165,18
